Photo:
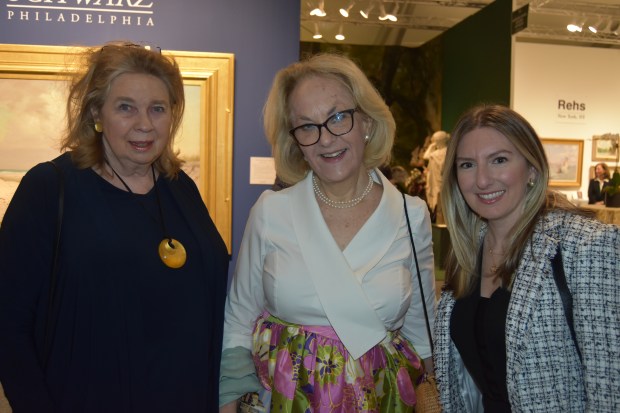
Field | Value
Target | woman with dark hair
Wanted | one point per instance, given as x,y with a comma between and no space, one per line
505,338
112,274
600,181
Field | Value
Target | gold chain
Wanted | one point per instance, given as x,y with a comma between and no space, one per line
494,266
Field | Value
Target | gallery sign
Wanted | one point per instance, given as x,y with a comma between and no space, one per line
104,12
571,110
519,19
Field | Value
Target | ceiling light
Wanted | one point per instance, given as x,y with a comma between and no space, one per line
366,13
345,11
319,11
382,14
388,16
317,34
392,17
340,36
574,27
595,27
604,25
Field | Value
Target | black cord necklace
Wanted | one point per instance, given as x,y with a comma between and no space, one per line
171,251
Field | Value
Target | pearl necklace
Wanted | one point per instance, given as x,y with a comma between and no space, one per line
341,204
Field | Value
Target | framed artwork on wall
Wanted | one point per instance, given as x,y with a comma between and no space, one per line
565,158
605,147
33,82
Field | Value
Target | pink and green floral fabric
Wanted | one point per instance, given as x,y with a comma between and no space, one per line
308,370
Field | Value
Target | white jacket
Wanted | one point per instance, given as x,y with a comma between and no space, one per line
290,265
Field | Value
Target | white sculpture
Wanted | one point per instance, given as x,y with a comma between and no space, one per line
435,155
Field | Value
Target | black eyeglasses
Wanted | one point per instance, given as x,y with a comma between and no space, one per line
338,124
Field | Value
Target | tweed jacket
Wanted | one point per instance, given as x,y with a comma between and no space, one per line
544,373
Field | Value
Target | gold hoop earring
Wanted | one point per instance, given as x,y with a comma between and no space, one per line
98,127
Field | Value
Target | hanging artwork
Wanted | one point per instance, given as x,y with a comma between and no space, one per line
605,147
565,158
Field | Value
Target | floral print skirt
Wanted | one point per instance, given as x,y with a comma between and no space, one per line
308,370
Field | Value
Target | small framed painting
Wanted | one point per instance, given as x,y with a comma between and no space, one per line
565,158
605,147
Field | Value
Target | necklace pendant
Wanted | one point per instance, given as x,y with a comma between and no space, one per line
172,253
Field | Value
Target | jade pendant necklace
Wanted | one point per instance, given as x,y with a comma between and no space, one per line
171,251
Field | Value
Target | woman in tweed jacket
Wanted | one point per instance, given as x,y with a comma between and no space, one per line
502,341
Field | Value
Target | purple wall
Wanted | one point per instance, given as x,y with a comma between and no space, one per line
263,35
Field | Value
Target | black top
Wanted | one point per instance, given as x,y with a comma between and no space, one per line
594,191
132,335
477,327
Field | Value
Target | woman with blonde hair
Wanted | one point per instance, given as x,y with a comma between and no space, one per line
324,308
523,323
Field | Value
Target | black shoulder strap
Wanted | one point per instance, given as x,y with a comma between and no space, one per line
417,267
50,322
565,295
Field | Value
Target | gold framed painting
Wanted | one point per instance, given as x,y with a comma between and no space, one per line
565,157
605,147
32,96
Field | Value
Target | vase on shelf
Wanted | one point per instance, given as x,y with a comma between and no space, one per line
612,201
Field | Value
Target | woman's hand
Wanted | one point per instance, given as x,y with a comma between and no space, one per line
230,407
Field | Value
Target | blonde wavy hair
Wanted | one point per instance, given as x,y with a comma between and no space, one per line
289,161
91,85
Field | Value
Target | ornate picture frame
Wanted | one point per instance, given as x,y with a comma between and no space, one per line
209,82
565,158
605,147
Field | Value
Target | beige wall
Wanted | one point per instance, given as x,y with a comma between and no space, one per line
544,74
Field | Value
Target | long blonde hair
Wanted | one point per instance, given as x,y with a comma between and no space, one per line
289,160
464,225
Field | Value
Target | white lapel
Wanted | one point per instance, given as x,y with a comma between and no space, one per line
338,288
377,235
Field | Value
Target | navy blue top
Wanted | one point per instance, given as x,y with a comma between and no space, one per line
131,335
